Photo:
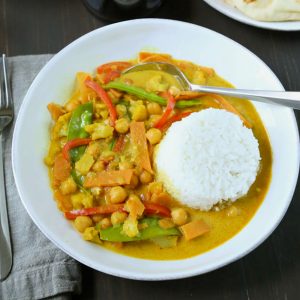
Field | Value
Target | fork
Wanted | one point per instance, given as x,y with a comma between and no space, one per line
6,116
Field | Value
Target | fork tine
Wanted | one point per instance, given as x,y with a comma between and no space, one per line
7,91
1,86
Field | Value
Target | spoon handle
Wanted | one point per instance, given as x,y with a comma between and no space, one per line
290,99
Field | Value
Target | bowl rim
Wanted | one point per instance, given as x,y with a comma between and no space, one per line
124,273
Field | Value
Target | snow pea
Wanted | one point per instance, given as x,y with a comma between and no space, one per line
81,117
152,97
151,230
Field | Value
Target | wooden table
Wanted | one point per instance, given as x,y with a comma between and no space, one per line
272,271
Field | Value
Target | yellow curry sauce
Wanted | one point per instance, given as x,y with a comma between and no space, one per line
224,221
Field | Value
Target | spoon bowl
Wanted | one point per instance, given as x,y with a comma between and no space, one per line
289,99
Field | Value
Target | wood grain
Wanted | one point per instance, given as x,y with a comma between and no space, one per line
272,271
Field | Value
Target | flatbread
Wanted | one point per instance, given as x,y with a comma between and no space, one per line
269,10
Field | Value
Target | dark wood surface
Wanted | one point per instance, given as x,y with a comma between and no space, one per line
272,271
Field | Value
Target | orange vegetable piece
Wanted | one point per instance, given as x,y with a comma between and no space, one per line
109,178
162,198
138,138
148,57
194,229
55,111
229,107
187,95
113,66
61,168
135,207
82,93
63,201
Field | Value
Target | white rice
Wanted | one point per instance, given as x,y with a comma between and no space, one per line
207,157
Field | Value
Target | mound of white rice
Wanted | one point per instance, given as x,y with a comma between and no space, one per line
207,157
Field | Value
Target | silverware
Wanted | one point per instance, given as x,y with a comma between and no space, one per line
6,116
290,99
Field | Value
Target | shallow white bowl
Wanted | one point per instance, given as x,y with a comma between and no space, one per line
123,41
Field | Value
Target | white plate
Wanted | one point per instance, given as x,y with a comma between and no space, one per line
123,41
234,13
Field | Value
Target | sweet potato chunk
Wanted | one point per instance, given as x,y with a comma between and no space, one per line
194,229
109,178
138,138
61,168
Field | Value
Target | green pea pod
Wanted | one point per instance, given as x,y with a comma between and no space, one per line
78,180
152,97
81,117
112,144
151,230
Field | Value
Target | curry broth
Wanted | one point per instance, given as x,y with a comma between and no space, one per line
223,226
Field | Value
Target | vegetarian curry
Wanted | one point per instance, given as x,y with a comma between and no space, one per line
101,168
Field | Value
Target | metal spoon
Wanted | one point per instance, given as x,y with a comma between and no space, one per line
290,99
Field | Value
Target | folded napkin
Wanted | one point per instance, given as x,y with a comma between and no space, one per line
40,270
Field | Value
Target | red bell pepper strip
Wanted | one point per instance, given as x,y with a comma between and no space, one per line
176,118
156,209
99,210
73,144
119,145
113,66
111,75
150,209
170,106
105,98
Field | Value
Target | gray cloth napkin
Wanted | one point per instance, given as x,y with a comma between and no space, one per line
40,270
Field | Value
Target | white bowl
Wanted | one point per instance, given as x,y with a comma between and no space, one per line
123,41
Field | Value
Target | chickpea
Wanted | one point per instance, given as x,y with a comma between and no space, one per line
125,165
154,108
121,110
122,125
155,187
68,186
83,222
98,166
117,194
118,217
139,113
153,135
146,177
179,216
105,223
97,218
